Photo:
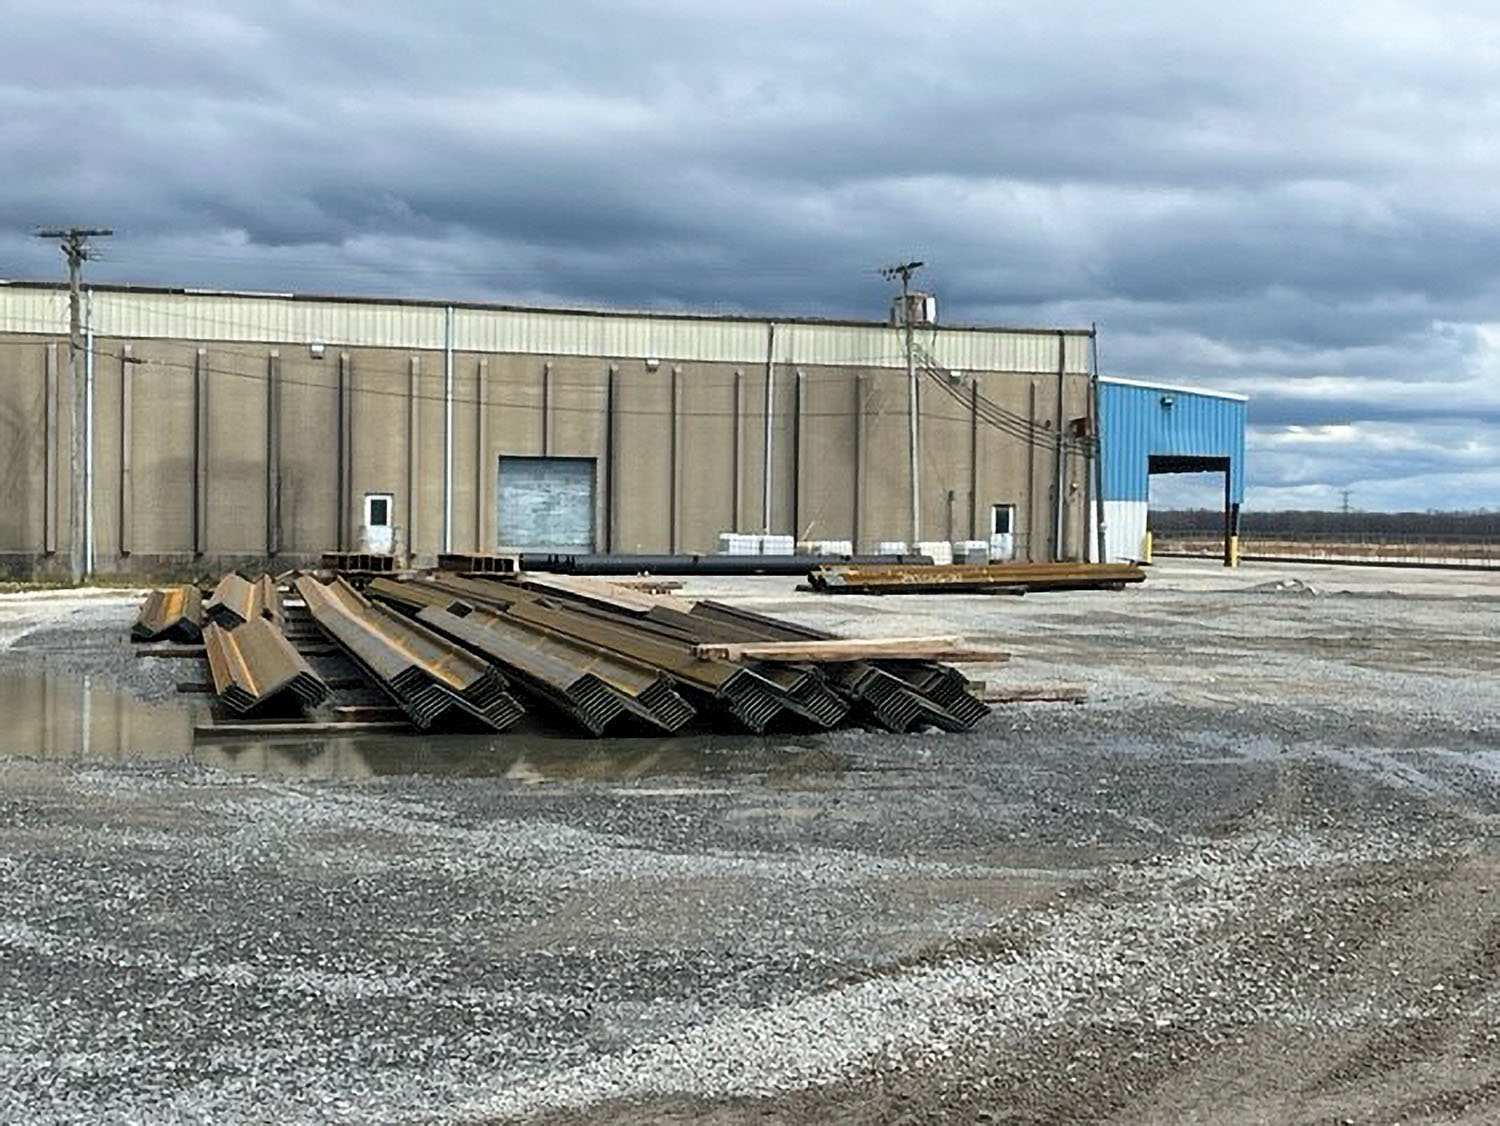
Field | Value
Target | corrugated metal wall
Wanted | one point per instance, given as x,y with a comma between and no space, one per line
139,314
1137,421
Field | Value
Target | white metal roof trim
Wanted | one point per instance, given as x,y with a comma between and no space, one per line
272,320
1175,387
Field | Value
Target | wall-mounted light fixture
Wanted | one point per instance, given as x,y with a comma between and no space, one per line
652,363
1166,401
315,349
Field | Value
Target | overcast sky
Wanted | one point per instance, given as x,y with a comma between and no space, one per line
1294,200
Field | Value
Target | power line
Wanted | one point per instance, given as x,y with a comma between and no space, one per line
1040,436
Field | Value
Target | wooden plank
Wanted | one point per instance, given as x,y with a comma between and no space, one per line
602,592
166,651
238,730
647,585
1034,693
943,648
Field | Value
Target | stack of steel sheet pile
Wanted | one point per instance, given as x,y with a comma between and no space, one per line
595,688
173,614
434,681
737,694
589,632
255,669
237,600
449,649
897,694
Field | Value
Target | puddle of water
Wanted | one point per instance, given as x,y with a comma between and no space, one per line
66,718
43,715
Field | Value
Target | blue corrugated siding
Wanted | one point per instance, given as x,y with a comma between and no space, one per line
1137,425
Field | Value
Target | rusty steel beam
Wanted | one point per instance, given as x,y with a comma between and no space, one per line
957,577
432,679
172,614
738,693
579,695
651,691
898,695
256,670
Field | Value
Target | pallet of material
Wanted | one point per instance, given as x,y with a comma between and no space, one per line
946,648
959,578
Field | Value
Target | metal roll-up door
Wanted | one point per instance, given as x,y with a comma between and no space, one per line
546,503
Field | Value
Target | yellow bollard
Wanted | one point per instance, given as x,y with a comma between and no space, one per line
1146,547
1232,558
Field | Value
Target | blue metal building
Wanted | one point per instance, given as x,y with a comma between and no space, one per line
1151,428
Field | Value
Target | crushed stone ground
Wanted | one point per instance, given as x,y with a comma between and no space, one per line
1254,878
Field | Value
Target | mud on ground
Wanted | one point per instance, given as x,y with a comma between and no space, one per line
1254,879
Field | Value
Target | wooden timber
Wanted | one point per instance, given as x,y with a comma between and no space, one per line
944,648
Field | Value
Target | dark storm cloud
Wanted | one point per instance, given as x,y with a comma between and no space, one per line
1292,200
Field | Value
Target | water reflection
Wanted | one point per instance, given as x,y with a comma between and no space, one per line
43,715
49,716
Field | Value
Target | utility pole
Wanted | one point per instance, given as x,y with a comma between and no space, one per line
75,247
1346,509
904,271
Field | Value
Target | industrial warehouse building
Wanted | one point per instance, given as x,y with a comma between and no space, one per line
233,428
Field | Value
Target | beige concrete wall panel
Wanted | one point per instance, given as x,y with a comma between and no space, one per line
163,429
827,465
784,453
577,406
887,508
752,445
236,450
377,433
643,412
945,465
465,450
705,493
309,451
106,479
23,443
427,522
515,406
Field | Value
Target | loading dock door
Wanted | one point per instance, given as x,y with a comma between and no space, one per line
546,503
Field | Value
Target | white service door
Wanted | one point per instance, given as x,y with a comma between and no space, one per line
379,537
1002,532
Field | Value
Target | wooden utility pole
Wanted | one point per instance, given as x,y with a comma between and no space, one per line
75,248
904,271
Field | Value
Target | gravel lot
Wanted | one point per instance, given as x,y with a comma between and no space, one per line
1254,879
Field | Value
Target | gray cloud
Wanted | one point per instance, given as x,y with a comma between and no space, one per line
1290,200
